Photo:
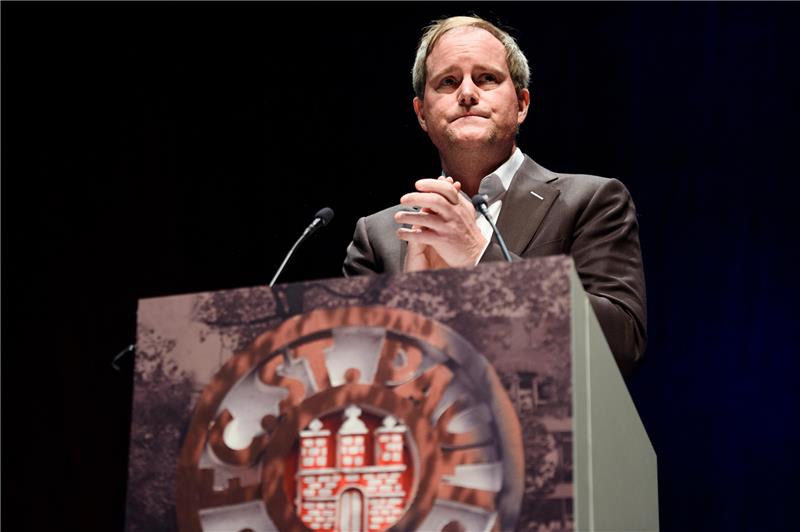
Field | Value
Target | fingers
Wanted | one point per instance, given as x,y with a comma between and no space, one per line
417,236
440,205
435,203
449,179
421,257
427,200
441,232
421,219
443,186
416,259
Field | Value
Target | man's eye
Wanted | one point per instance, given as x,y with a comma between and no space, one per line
488,78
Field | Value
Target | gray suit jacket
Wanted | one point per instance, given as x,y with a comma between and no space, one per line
591,218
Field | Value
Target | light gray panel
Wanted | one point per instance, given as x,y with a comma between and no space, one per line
580,405
354,347
625,476
249,515
472,518
616,485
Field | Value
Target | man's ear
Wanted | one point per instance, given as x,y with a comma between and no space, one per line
523,103
419,110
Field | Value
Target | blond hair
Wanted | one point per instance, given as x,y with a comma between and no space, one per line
516,60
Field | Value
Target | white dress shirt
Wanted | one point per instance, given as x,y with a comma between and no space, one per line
491,185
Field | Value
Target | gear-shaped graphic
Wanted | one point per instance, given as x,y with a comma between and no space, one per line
354,418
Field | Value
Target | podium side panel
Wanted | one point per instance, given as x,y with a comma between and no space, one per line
580,404
618,489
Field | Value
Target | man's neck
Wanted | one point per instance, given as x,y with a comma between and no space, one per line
471,166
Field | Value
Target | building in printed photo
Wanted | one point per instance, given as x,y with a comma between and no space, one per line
534,398
343,486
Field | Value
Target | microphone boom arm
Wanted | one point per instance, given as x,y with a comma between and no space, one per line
289,255
321,219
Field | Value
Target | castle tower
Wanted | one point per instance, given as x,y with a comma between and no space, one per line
351,440
314,446
312,482
389,442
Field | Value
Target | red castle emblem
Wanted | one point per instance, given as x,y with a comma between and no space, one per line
353,478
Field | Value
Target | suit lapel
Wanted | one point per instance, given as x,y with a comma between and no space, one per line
525,205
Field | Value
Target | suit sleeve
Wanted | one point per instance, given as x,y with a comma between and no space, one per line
608,259
360,257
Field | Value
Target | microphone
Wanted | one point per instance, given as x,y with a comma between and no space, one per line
479,202
321,219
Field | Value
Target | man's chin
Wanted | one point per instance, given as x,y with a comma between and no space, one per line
471,139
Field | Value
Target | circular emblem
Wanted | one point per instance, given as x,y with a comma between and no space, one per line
356,418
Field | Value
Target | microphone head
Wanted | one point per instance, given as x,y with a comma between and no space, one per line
479,201
324,215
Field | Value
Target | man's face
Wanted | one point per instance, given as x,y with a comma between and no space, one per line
470,100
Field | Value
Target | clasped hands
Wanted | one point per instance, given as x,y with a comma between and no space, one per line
443,233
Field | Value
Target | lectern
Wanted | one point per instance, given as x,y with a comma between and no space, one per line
471,399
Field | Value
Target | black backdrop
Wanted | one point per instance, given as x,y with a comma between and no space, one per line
152,149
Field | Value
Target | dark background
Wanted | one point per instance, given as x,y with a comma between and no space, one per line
152,149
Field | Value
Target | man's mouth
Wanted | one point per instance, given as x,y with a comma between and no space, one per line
470,115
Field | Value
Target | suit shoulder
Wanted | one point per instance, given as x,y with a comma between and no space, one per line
571,184
583,189
387,213
585,183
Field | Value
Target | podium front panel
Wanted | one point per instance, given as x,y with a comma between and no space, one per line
437,400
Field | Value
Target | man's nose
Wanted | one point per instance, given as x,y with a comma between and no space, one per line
468,93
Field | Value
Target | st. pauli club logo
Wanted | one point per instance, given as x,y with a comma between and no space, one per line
355,418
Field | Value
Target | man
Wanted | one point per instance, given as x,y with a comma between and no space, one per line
471,84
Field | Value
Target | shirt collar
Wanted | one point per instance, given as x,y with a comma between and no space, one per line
508,169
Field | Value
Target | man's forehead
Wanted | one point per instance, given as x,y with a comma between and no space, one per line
495,49
476,34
